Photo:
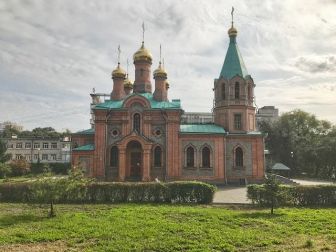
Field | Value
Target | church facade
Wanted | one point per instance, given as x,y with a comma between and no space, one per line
138,134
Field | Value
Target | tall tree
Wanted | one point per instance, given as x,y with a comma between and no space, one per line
4,157
301,141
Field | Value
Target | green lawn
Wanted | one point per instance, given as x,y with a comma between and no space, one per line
130,227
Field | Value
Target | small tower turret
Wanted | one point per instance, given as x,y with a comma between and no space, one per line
118,77
142,62
161,84
234,89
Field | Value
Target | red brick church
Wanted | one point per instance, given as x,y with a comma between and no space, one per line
138,133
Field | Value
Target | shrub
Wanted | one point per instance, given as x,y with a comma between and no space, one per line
5,170
72,190
57,168
19,167
317,195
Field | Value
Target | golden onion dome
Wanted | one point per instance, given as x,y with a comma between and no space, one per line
128,83
142,54
160,72
232,31
118,72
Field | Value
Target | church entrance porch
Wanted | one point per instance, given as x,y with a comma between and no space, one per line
134,158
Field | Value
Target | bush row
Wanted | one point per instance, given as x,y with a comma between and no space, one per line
109,192
317,195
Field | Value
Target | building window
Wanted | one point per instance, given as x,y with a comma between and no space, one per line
44,156
53,145
36,156
157,157
239,157
205,157
28,157
18,145
114,157
18,157
223,91
237,121
237,90
249,92
10,146
36,145
45,145
53,156
136,123
27,145
190,157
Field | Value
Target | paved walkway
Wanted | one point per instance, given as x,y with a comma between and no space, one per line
231,195
312,182
237,194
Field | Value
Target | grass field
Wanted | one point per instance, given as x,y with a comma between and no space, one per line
165,228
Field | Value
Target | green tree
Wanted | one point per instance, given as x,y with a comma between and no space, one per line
5,170
9,131
19,167
272,188
55,189
298,139
4,157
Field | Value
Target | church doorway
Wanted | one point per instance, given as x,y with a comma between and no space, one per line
134,154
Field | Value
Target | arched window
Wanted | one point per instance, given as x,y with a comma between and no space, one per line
223,91
157,157
237,90
239,157
190,157
205,157
114,157
249,92
136,123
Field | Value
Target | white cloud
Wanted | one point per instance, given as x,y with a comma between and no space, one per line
52,53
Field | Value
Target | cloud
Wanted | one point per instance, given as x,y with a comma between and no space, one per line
317,64
53,53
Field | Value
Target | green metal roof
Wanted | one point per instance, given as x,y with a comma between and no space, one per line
85,132
88,147
248,133
110,104
233,63
201,129
280,167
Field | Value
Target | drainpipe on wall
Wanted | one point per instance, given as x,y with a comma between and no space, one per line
164,115
106,139
225,158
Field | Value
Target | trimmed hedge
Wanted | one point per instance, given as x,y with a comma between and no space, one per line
110,192
317,195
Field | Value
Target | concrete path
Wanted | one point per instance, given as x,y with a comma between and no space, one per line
231,195
237,194
312,182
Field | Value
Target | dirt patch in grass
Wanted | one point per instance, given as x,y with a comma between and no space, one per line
58,246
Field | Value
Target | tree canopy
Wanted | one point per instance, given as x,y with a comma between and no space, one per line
303,143
46,132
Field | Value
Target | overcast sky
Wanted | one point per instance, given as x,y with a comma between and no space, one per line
52,53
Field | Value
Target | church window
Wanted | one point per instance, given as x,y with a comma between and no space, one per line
157,157
237,121
114,157
136,123
237,90
223,91
249,92
205,157
141,72
239,157
190,157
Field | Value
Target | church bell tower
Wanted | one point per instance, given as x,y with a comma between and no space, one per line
234,91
